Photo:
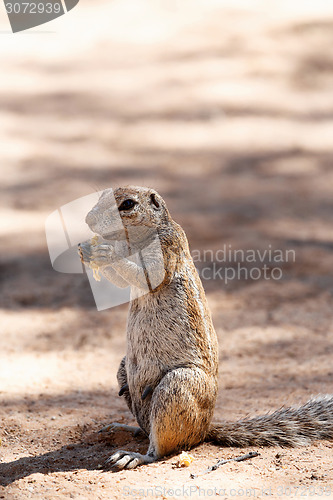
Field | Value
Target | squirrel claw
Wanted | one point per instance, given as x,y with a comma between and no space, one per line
123,389
107,428
148,390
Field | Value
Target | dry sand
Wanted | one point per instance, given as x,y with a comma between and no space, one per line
225,107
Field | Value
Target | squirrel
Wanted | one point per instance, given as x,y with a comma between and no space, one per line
169,376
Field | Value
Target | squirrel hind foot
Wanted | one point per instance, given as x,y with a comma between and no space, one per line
128,460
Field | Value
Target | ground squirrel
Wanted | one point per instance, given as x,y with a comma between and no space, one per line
169,374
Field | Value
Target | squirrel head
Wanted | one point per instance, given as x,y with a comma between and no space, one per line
128,208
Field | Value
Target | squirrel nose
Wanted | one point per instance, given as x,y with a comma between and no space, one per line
91,218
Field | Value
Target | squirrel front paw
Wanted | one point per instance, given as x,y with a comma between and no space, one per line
96,254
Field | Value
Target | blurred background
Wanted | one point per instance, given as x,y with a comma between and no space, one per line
226,108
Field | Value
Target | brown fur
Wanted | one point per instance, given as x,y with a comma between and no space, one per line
169,374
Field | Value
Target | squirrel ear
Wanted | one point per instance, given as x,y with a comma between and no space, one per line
154,200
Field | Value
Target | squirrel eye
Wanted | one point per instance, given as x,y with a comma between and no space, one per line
127,205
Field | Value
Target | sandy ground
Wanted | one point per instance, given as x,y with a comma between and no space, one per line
226,108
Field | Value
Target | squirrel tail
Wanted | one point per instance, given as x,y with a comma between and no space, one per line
285,427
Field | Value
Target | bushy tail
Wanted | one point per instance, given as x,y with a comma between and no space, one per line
285,427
